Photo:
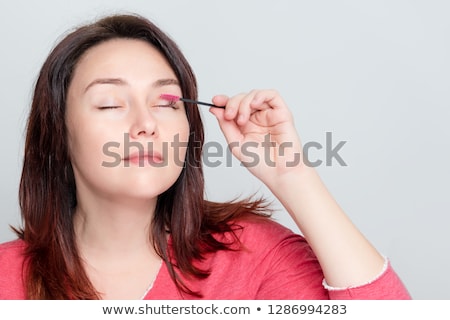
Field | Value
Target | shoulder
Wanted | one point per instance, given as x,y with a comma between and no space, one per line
276,244
267,233
272,262
11,252
11,246
11,269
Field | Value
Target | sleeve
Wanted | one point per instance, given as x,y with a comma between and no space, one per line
386,286
12,286
292,272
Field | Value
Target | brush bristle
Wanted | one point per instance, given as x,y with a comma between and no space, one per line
169,97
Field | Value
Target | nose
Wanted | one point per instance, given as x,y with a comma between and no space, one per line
143,123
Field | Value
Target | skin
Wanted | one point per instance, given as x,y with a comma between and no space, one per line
345,255
116,203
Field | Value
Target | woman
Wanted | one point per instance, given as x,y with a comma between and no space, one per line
112,188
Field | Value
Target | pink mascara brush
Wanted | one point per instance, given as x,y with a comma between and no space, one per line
173,98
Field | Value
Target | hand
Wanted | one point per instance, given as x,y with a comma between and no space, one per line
261,117
260,132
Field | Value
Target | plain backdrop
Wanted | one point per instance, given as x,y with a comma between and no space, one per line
375,74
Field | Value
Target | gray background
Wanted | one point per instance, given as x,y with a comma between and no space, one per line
374,73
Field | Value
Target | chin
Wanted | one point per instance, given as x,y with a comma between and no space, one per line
146,191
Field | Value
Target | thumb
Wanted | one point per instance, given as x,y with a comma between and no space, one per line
220,100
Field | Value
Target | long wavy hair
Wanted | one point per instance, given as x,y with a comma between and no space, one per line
53,268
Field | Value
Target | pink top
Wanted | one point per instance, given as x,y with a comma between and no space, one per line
275,264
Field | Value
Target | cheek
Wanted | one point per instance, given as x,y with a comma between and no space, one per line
184,132
85,151
179,142
86,143
179,127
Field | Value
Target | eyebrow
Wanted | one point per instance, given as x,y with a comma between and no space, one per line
165,82
121,82
115,81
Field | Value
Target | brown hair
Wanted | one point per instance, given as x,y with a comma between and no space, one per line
47,192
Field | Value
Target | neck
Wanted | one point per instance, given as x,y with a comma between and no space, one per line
113,238
114,227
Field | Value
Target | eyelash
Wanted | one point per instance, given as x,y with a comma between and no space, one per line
108,107
171,104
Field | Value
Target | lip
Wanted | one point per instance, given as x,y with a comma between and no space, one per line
144,158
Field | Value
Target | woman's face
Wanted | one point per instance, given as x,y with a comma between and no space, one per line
124,140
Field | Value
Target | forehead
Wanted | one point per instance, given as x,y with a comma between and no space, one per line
127,58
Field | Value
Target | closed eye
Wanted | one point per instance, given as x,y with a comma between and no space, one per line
108,107
169,104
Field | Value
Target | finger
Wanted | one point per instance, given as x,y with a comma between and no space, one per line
219,113
264,99
243,114
232,107
220,100
271,101
229,128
